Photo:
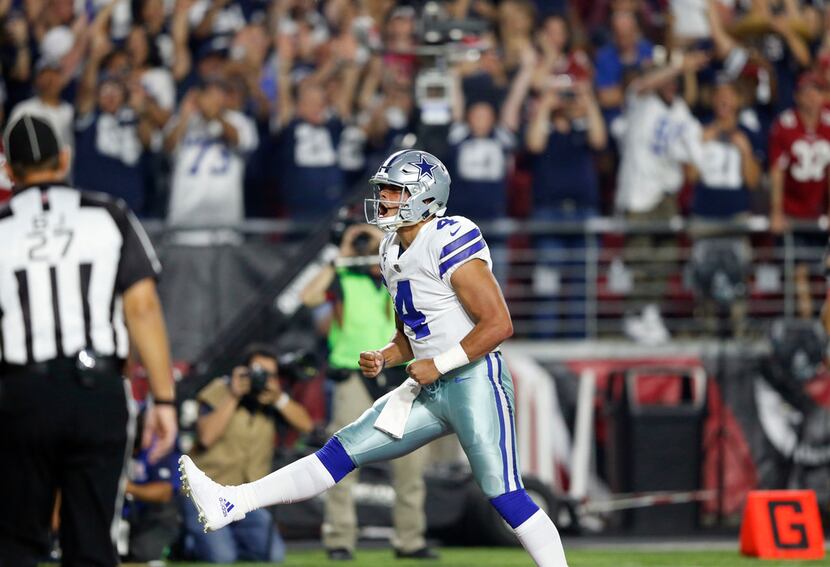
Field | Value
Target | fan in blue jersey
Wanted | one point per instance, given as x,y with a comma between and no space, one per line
451,319
482,143
730,167
564,131
481,149
112,132
311,181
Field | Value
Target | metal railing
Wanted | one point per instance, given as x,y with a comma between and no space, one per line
580,280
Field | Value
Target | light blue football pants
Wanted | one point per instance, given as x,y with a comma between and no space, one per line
475,402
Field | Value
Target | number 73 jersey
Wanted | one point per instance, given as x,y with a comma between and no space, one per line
208,176
418,279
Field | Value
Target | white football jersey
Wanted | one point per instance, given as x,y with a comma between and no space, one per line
418,279
655,141
208,177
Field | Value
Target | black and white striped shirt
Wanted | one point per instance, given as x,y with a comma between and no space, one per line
66,258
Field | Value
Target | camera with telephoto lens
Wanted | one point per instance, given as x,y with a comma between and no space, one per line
437,27
361,241
362,244
259,379
294,367
364,247
441,38
433,94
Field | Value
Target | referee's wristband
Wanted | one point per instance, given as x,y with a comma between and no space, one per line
451,359
164,402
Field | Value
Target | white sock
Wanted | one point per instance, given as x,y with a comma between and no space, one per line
540,538
301,480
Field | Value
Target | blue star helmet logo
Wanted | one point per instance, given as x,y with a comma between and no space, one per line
424,168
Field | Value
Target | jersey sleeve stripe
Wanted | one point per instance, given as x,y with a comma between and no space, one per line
463,255
459,242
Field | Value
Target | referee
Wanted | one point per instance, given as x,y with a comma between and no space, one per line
77,286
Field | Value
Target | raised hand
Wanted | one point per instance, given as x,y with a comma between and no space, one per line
371,363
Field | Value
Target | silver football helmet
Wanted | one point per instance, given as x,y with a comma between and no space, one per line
425,189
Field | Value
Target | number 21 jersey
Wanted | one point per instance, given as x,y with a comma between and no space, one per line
418,279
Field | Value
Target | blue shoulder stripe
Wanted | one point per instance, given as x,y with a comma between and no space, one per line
463,255
459,242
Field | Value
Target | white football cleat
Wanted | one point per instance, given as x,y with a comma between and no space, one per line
215,503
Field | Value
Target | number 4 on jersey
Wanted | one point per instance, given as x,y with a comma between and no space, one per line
411,317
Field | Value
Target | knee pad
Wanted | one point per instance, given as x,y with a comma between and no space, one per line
515,507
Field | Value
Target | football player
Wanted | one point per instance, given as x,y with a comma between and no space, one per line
451,318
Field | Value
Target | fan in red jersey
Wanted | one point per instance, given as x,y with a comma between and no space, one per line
799,155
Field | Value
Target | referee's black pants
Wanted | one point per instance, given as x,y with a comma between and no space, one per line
57,433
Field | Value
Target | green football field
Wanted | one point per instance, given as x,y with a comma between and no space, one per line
500,557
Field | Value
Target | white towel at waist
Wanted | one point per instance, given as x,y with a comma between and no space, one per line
395,413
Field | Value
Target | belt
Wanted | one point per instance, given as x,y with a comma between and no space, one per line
83,361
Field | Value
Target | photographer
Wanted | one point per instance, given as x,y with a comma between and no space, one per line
361,315
236,434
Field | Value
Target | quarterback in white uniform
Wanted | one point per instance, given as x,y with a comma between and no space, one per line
421,275
451,318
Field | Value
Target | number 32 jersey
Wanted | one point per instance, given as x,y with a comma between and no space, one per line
418,279
804,155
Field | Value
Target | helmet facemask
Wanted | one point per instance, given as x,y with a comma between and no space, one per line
403,215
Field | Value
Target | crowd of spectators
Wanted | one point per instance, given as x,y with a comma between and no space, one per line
204,112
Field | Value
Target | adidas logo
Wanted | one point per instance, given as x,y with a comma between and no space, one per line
226,506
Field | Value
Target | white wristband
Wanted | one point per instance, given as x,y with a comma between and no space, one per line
451,359
282,401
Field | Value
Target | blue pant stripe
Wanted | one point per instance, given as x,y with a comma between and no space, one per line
502,402
512,430
501,423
